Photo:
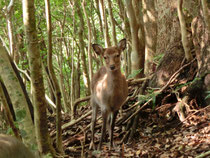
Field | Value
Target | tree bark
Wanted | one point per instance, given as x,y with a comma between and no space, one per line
17,97
38,92
185,42
9,116
150,29
104,23
206,13
82,48
10,26
89,41
54,79
114,38
99,17
137,55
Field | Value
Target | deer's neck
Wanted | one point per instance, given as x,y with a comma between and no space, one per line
113,77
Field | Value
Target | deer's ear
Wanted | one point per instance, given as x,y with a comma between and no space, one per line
98,49
122,44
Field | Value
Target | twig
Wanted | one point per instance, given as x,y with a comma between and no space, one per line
174,76
203,154
137,111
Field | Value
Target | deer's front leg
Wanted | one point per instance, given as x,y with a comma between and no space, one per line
103,131
111,129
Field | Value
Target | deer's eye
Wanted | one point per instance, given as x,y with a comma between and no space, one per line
118,55
105,57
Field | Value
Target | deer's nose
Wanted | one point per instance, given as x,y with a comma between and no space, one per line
112,67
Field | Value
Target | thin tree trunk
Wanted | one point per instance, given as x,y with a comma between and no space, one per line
150,29
82,48
54,79
61,79
94,30
104,23
99,17
38,92
89,41
124,18
114,38
185,42
127,54
62,85
10,28
137,55
72,82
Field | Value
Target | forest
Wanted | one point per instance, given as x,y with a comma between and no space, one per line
104,78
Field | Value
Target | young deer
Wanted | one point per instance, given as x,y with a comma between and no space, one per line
109,90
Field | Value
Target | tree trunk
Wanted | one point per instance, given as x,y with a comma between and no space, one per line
89,42
99,17
150,29
17,97
104,23
54,79
114,38
185,42
137,55
9,116
10,26
206,13
82,48
41,127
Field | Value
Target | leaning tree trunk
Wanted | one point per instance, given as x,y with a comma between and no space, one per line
38,92
3,97
17,97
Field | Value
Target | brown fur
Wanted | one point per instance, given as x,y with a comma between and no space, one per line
109,89
10,147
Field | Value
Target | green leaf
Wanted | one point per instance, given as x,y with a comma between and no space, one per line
208,96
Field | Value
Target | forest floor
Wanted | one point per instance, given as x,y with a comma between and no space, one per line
154,137
159,131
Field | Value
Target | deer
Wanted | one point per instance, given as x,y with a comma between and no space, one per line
11,147
109,90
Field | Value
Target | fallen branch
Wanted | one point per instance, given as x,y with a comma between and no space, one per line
80,100
172,79
73,122
135,81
